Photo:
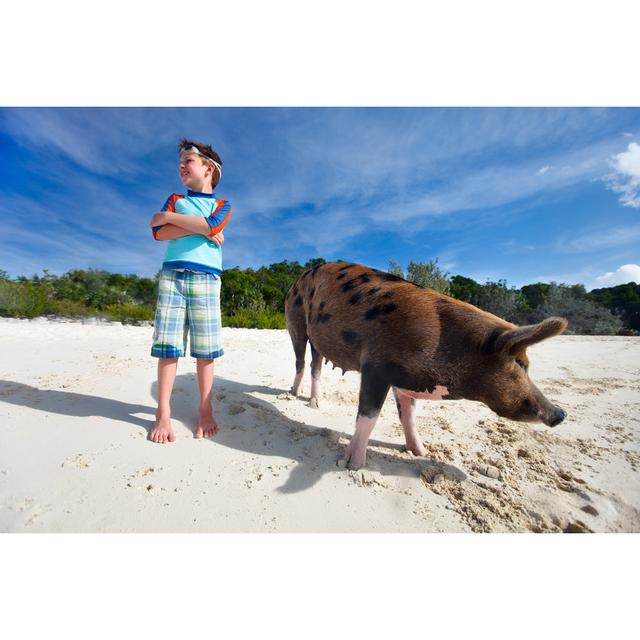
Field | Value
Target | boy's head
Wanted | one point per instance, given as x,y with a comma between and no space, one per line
200,166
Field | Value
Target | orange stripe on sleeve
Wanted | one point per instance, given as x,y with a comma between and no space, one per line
218,228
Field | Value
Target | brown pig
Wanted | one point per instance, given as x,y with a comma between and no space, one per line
420,343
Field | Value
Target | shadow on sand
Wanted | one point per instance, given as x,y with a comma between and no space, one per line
263,430
247,424
68,403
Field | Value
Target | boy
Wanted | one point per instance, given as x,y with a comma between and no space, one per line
189,287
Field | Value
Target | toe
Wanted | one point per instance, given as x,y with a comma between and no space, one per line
172,437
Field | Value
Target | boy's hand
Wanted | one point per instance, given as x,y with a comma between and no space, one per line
218,239
159,219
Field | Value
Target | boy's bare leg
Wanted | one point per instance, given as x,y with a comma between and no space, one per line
163,431
207,425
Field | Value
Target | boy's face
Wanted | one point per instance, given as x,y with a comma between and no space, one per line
194,173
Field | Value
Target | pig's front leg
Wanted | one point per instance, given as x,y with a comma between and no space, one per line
373,391
406,410
355,456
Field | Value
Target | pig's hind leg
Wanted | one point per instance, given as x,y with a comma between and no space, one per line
299,340
316,368
406,410
373,391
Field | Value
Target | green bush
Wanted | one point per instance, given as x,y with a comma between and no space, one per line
22,299
251,319
129,313
254,298
584,316
68,309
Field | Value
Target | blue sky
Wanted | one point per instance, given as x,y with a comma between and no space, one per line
520,194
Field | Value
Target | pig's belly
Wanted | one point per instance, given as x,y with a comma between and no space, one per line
343,357
437,394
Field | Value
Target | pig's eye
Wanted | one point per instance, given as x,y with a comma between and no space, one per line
522,364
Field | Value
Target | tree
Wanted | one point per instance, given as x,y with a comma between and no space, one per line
314,262
535,294
395,269
584,316
622,300
464,288
429,275
500,300
240,292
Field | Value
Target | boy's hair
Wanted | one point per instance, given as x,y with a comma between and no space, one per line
207,150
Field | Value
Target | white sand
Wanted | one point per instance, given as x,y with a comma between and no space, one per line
77,402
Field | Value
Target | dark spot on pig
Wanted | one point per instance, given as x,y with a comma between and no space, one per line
380,310
321,307
311,293
350,337
365,278
313,271
342,275
347,286
310,307
324,317
390,277
388,294
374,290
348,266
355,298
299,301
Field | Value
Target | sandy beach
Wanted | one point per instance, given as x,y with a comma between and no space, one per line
77,402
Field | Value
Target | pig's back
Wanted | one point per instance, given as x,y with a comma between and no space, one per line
355,314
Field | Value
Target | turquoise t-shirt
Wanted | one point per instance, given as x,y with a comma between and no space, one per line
196,252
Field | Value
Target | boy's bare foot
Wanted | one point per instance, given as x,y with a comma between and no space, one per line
207,425
163,431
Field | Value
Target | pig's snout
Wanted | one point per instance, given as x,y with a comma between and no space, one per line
555,417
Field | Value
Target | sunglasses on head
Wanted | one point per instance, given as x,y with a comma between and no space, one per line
193,149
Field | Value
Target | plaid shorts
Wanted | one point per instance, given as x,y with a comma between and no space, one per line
188,303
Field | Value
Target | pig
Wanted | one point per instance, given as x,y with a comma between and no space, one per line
420,343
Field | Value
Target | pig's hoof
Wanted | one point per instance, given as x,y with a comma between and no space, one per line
313,403
416,448
355,462
351,462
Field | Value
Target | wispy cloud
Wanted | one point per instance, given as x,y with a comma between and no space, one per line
303,181
601,239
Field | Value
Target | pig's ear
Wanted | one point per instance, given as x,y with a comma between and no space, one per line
518,339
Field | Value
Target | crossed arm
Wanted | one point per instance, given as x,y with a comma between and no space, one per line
177,225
